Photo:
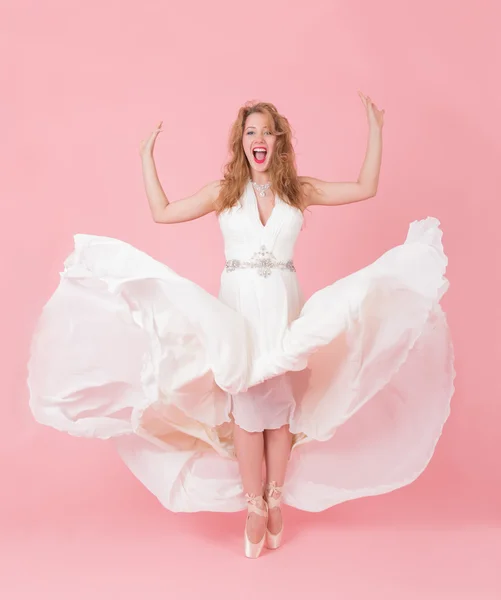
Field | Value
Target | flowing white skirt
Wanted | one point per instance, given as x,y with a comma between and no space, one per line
127,349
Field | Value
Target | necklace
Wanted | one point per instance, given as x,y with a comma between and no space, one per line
261,188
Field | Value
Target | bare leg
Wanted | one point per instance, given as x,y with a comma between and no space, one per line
249,447
277,445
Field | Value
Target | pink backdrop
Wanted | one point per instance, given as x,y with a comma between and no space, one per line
83,83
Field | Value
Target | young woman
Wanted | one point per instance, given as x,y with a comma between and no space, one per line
200,392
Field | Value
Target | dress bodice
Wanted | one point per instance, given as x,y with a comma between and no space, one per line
259,280
244,234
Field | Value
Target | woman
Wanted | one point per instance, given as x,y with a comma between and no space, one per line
198,392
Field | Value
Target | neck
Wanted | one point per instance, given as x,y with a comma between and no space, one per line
259,177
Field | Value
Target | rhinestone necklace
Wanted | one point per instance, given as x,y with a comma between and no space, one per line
261,188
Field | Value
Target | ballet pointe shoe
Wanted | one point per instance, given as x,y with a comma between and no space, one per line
253,549
273,496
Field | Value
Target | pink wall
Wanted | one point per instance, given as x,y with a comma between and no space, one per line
86,82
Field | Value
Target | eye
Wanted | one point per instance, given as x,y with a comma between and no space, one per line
250,132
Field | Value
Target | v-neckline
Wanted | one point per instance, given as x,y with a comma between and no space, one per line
256,207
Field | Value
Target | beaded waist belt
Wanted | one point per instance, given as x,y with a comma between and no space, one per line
262,260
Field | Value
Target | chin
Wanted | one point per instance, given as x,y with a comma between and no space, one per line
260,168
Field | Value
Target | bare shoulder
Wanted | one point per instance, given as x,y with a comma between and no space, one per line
213,188
334,193
192,207
310,188
207,195
309,181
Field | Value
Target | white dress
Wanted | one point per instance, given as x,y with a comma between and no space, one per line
362,372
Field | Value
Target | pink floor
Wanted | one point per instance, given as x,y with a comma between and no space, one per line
193,557
364,549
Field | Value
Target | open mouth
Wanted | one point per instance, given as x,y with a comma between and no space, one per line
259,155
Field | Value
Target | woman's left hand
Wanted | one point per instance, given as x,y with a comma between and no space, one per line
374,115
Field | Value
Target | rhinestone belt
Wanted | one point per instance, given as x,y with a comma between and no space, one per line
262,260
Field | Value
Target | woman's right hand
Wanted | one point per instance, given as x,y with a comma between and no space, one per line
147,145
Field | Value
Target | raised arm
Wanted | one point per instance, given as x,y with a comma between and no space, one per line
332,193
162,210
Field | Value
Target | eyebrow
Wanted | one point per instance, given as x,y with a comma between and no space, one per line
252,127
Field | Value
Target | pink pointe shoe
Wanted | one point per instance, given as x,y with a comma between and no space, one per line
253,550
273,496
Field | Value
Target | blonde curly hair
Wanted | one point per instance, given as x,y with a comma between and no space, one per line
283,175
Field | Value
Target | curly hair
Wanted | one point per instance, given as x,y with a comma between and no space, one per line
283,174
